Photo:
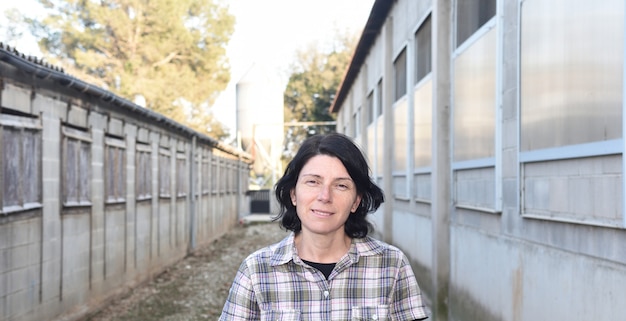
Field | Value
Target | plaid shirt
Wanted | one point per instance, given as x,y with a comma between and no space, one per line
373,281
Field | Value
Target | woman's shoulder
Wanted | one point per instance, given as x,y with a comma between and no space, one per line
273,252
372,246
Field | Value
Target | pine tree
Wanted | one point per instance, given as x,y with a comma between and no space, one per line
170,52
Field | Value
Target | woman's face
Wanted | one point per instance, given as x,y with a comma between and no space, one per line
324,196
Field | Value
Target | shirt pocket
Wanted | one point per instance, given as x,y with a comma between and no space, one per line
370,313
282,315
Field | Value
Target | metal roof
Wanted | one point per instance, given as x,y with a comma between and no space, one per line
372,29
40,69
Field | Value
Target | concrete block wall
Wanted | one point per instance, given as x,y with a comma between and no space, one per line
495,277
518,235
475,188
60,262
578,190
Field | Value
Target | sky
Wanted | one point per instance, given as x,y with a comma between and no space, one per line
267,33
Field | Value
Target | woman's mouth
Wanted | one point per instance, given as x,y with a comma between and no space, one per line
321,213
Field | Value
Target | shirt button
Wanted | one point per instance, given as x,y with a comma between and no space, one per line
326,294
375,317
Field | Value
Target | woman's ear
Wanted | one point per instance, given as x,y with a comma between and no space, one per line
292,193
356,204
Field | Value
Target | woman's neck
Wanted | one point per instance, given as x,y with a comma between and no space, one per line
322,248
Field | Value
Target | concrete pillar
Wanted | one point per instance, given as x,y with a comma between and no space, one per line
388,148
195,174
441,157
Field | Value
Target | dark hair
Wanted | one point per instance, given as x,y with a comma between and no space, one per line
342,147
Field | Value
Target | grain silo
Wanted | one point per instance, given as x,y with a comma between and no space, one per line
260,121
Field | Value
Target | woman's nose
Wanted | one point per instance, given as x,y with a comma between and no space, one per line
324,193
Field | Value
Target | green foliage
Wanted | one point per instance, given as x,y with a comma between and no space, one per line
171,52
315,78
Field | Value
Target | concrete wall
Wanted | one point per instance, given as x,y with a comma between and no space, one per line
517,235
60,259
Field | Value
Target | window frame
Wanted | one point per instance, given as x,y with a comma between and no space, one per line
118,145
165,173
81,136
471,26
578,151
370,107
495,161
214,174
423,63
400,75
182,190
22,123
205,163
143,171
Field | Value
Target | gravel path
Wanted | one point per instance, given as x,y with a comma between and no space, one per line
196,287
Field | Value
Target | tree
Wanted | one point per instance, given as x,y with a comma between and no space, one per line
315,77
170,52
11,30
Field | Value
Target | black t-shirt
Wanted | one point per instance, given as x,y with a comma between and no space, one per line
325,268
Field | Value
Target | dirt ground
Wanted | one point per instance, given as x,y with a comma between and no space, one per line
196,287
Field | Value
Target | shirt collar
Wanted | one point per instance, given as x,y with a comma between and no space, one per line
285,250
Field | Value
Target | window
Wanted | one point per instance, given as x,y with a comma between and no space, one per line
226,177
422,124
423,50
379,98
76,167
214,174
400,141
356,120
143,169
422,138
376,132
181,175
165,172
370,107
20,162
206,174
571,111
115,170
477,180
230,178
471,15
475,100
222,175
371,112
571,73
399,70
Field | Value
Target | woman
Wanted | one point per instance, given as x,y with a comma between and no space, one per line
327,268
